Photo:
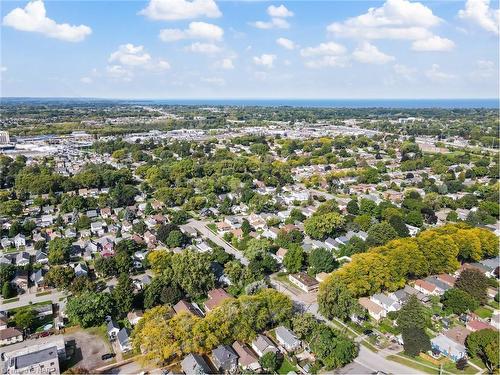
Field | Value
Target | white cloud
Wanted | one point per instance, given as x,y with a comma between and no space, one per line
3,68
405,72
214,81
281,11
396,19
196,30
128,54
119,72
330,49
480,13
86,80
484,69
264,60
172,10
206,48
367,53
226,64
434,43
34,18
275,23
436,75
285,43
328,61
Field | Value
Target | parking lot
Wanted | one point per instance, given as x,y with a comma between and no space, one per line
88,349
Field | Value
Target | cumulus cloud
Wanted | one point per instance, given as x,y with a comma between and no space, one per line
266,60
226,64
434,43
327,61
173,10
437,75
33,18
195,30
128,54
367,53
405,72
285,43
484,69
479,13
214,81
205,48
86,80
119,72
330,48
280,12
277,21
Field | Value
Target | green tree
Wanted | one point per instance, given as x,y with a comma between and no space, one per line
415,341
123,294
484,345
191,270
380,234
413,314
271,362
331,348
7,272
336,301
25,317
458,301
7,290
60,277
294,259
475,283
353,207
11,208
90,309
321,260
59,250
321,226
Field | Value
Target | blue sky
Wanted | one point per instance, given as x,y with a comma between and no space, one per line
250,49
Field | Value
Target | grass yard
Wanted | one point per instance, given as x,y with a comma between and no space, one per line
451,367
10,300
39,294
484,312
286,367
418,365
212,227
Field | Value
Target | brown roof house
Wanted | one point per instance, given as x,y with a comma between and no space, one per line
215,298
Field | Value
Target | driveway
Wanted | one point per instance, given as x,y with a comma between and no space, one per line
89,349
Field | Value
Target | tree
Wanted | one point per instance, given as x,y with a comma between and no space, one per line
25,317
413,314
123,294
257,247
304,325
11,208
83,222
321,226
105,266
484,344
458,301
475,283
353,207
271,362
60,277
160,261
321,260
294,259
7,272
59,250
415,341
336,301
175,239
191,270
461,364
399,226
331,348
123,262
7,290
89,309
246,228
380,234
82,284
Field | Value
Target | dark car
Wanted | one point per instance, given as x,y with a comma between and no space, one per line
368,332
107,356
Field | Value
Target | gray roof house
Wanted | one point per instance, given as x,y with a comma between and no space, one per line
287,339
41,257
262,345
195,364
22,258
37,278
41,361
124,340
225,359
112,329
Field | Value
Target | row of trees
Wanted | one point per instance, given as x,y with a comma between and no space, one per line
389,267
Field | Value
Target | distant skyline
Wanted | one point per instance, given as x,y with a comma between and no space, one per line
180,49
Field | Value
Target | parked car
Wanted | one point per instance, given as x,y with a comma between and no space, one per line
106,356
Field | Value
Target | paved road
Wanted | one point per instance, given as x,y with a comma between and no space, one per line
366,358
201,227
27,298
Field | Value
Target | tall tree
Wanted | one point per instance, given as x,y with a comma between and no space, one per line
475,283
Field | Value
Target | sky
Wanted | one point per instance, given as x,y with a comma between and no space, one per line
195,49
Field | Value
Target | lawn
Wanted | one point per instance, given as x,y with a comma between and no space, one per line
417,366
43,293
212,227
451,367
286,367
484,312
10,300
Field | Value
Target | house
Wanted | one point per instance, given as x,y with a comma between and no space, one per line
185,306
215,298
43,361
388,302
287,339
134,316
10,335
477,325
22,259
495,320
247,358
6,243
447,279
37,278
225,359
304,282
448,347
112,329
20,280
41,257
195,364
441,286
188,230
19,240
223,227
426,287
377,312
124,340
414,292
262,345
81,270
458,334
